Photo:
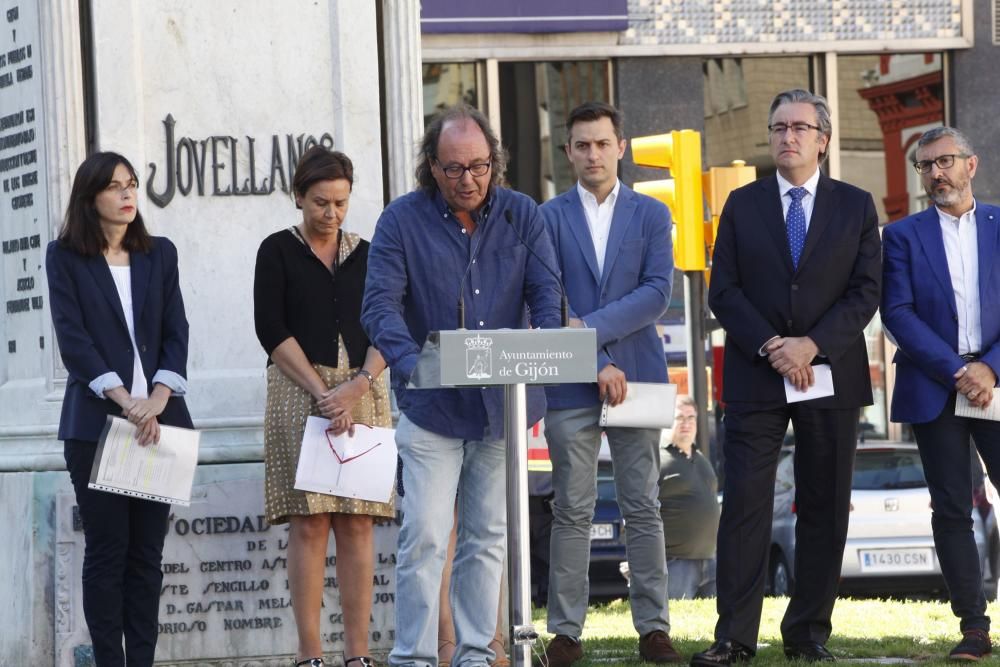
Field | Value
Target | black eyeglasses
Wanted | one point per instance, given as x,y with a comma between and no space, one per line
800,129
942,161
456,171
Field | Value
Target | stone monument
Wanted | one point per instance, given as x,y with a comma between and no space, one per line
213,102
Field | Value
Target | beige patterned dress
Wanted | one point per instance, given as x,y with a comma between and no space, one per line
288,406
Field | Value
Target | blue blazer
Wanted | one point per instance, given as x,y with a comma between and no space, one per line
918,309
624,303
93,337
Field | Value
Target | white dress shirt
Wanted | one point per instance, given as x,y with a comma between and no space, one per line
807,208
599,219
123,283
962,250
122,276
807,201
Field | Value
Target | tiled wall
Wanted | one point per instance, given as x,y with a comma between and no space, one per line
705,22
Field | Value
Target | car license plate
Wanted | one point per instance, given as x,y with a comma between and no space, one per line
602,531
897,560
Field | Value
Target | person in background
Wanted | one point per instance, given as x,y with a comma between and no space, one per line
308,285
689,507
939,303
119,319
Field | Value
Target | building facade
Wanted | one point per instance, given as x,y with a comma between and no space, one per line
889,71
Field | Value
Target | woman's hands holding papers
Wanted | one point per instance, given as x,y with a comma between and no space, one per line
336,404
342,425
148,432
142,411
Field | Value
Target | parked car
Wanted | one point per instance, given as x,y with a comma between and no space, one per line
890,546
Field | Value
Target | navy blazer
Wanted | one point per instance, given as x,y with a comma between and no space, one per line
756,293
624,302
918,309
93,336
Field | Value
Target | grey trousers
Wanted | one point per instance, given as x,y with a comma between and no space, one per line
574,439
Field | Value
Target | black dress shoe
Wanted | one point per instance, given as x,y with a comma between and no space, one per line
723,652
975,645
808,651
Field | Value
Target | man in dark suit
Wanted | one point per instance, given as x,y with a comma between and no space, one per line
940,278
795,279
614,251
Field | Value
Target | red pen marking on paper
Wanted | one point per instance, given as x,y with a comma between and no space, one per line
349,458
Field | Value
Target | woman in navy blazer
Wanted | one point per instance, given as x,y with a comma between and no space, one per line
119,319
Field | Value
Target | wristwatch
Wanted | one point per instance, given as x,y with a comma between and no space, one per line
368,376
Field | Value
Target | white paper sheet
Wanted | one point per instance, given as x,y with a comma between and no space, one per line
965,409
163,472
368,471
822,387
646,405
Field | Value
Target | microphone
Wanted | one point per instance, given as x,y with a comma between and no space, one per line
565,302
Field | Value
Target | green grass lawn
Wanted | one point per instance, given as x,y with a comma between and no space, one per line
863,631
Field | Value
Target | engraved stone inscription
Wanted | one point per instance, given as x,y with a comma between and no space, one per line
23,192
225,581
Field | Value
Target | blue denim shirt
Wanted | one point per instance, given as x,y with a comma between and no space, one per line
418,255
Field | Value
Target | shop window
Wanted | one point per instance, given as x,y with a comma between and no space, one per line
886,103
535,99
738,94
447,84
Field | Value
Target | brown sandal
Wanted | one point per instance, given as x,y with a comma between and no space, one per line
445,643
501,660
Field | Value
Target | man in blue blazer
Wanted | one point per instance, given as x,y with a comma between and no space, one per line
796,273
613,247
940,275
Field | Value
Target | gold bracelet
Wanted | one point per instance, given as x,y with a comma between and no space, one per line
368,376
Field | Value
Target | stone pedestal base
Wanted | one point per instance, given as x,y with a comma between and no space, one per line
225,599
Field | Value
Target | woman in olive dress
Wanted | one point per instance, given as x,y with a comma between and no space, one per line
308,285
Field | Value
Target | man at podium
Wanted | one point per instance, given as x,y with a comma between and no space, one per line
457,238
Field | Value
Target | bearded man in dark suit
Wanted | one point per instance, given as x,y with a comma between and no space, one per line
796,277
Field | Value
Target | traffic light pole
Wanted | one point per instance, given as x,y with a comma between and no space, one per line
694,317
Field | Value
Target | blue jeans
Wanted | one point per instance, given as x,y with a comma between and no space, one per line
436,468
947,458
689,578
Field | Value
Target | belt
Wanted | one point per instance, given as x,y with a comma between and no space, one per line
971,356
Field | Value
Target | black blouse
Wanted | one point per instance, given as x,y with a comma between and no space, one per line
295,295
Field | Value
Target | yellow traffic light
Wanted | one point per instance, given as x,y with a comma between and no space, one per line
718,183
662,190
680,152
